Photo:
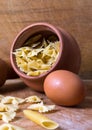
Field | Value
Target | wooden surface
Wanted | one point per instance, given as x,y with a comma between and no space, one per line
69,118
75,16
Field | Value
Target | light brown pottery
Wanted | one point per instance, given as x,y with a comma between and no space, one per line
69,57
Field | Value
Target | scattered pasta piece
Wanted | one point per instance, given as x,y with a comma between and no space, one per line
40,119
40,107
7,116
12,100
8,126
33,99
8,107
1,96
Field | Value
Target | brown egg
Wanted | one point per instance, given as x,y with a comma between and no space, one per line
64,88
3,72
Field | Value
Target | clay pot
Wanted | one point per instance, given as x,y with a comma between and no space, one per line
69,57
3,72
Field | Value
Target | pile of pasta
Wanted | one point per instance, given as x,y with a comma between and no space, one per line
10,104
8,107
35,61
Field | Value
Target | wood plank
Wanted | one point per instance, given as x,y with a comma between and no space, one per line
69,118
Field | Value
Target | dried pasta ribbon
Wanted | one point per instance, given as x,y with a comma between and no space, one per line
8,107
12,100
40,119
40,107
1,97
7,116
33,99
8,126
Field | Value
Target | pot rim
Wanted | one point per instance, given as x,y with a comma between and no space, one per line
53,29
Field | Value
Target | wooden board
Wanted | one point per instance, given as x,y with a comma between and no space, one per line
75,16
69,118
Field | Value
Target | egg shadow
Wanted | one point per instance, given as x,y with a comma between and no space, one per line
87,103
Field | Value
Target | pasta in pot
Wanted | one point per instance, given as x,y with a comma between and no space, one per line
35,61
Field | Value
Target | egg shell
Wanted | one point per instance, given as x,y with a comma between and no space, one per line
64,88
3,72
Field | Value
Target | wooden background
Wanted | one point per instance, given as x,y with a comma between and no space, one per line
75,16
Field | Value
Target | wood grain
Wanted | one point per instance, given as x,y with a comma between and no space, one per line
69,118
75,16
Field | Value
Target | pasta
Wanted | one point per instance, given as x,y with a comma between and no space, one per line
8,126
40,119
40,107
8,107
33,99
12,100
7,116
35,61
1,96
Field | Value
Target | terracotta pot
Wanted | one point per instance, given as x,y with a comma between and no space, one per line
3,72
69,56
